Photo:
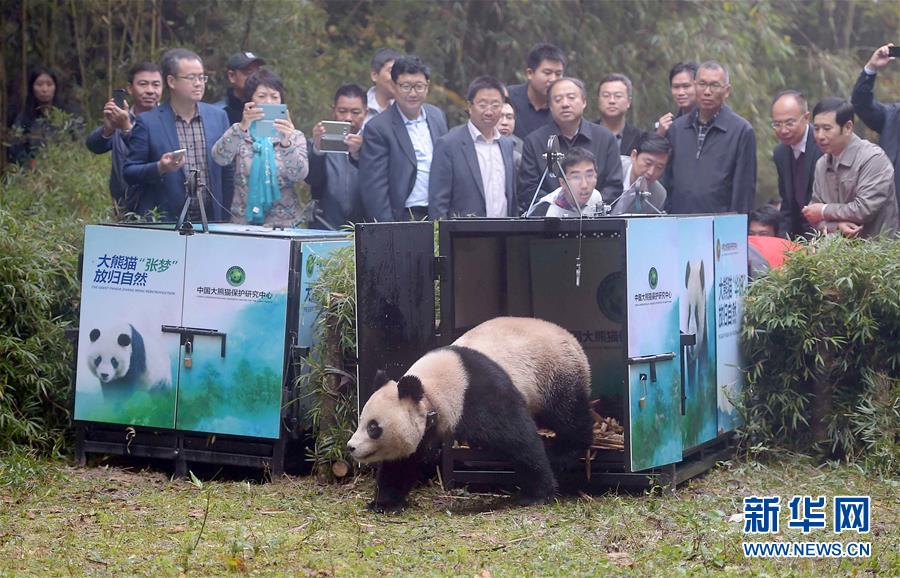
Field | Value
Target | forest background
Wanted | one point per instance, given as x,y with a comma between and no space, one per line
817,47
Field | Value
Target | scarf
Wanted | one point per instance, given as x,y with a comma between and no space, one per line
262,184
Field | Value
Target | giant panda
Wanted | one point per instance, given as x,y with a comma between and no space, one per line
493,387
124,361
695,321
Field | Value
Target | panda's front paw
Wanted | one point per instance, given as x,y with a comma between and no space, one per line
386,507
528,500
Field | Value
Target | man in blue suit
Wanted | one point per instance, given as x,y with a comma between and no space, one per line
398,146
473,172
183,122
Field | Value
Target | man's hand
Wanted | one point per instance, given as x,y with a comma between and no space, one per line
354,143
115,118
813,213
664,122
849,229
880,58
317,133
169,163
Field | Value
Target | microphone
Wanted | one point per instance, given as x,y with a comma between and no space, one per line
553,154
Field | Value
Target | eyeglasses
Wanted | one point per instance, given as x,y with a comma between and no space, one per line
582,178
418,87
615,95
483,106
195,78
788,124
713,86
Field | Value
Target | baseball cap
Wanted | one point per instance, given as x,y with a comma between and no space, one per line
243,60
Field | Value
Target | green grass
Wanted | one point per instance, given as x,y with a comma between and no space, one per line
114,521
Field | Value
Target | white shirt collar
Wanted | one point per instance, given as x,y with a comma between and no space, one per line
408,121
476,134
800,147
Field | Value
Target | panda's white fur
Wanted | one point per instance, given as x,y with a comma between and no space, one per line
489,385
120,356
695,292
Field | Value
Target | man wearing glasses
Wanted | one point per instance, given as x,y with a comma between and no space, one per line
182,122
795,159
473,173
713,163
398,145
613,100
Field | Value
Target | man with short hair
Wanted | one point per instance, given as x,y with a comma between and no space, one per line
642,169
332,177
795,158
763,222
546,63
568,99
473,172
398,145
239,68
853,189
713,164
145,88
576,195
684,94
614,94
882,118
182,122
381,93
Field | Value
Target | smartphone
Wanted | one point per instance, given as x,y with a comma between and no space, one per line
894,51
266,126
119,97
333,139
179,154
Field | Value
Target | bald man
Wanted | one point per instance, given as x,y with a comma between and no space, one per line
795,159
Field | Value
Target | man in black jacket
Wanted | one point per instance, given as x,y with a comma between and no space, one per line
614,96
882,118
713,164
568,99
795,159
240,66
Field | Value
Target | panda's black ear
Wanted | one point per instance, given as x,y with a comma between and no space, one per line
124,340
95,335
381,378
409,386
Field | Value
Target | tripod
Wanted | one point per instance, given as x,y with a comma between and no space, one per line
194,193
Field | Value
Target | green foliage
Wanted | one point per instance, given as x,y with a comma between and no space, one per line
43,211
335,290
830,316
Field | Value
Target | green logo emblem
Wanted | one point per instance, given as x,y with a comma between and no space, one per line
653,277
310,265
235,276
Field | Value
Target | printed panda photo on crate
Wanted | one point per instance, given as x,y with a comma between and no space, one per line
492,388
123,360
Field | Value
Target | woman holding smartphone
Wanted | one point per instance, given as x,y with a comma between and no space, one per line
266,168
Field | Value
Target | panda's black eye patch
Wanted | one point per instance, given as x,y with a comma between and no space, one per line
374,430
97,360
114,362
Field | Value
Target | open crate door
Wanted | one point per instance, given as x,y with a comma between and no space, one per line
653,404
394,298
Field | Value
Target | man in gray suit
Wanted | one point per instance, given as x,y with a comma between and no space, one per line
473,172
398,146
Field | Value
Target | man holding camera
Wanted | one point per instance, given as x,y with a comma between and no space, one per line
145,87
170,146
882,118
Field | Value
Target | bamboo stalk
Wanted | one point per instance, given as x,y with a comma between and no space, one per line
79,48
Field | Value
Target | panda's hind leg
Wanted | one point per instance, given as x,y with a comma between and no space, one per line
567,413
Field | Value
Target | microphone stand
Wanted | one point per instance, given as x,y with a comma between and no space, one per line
194,193
640,196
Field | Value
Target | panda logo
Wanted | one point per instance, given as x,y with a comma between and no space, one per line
695,320
123,360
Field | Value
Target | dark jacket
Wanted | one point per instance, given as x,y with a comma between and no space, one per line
630,136
590,136
792,218
455,188
152,136
387,162
882,118
722,177
123,194
233,107
334,184
528,119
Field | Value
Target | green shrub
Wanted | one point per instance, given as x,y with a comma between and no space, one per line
821,335
43,211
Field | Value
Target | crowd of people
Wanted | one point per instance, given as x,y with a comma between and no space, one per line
526,149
